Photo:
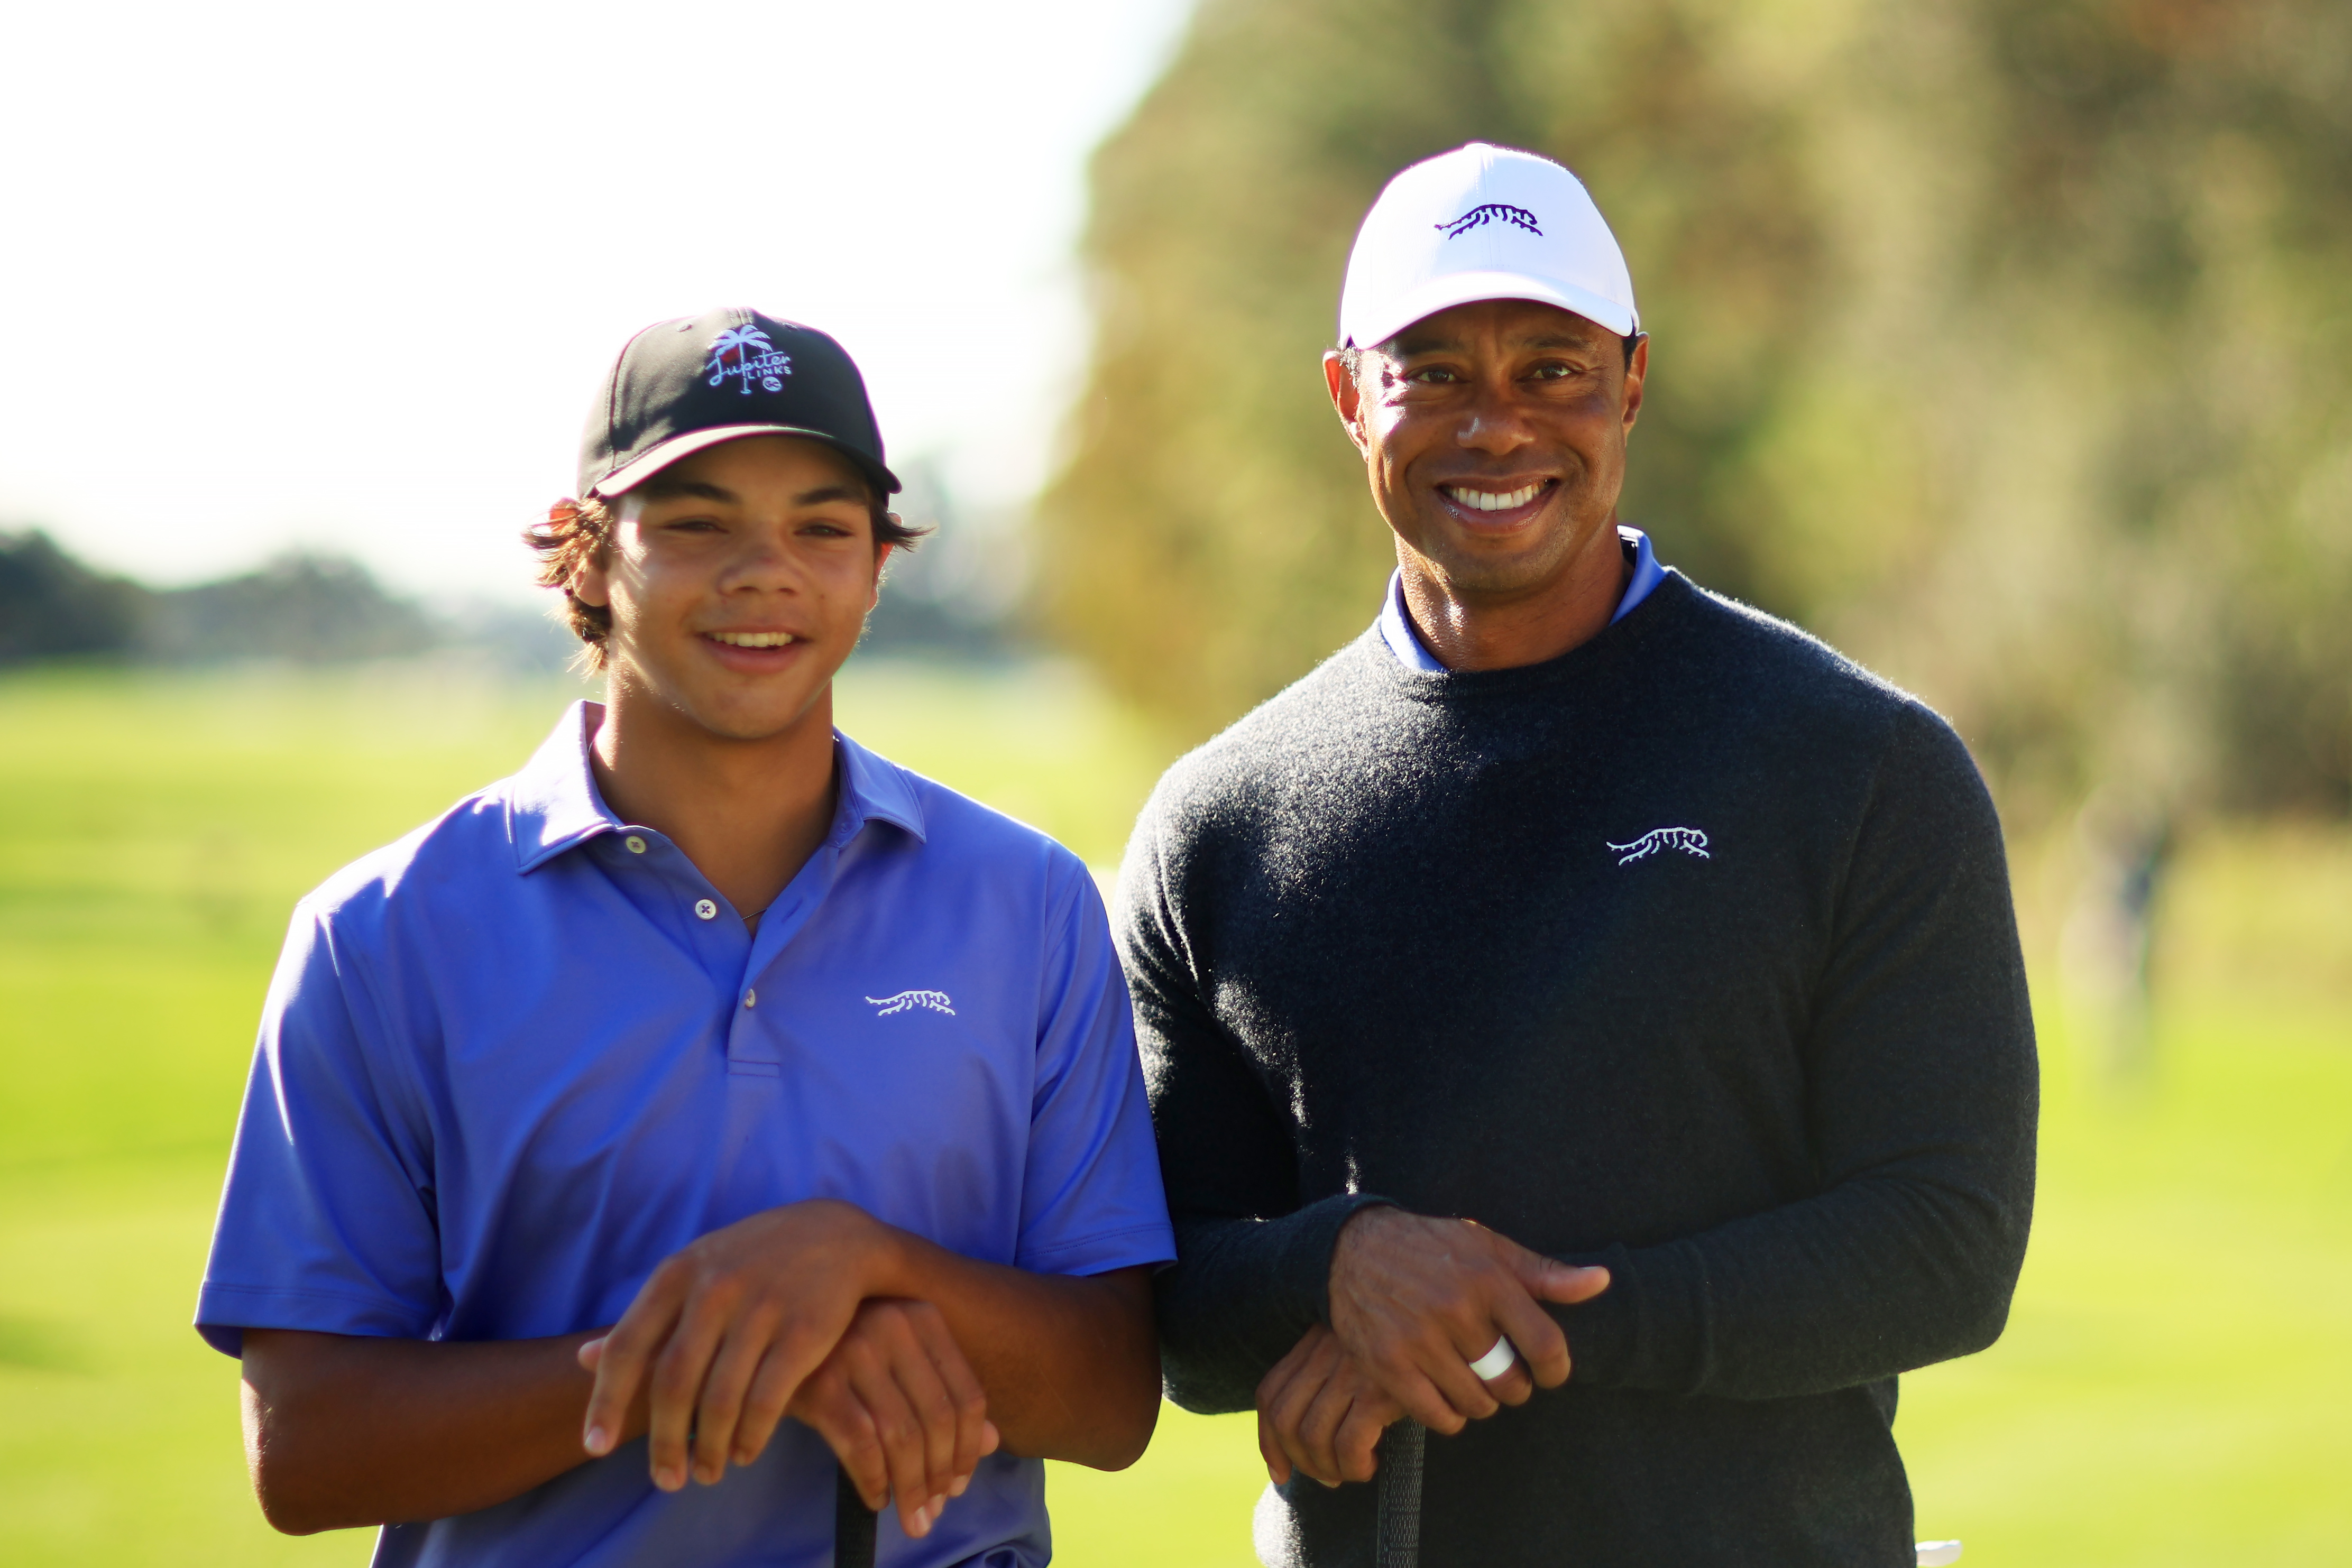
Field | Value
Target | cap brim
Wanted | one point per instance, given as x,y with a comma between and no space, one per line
645,464
1446,291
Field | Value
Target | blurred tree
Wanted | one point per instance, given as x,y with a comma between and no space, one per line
52,606
2006,342
307,608
958,592
301,607
1211,541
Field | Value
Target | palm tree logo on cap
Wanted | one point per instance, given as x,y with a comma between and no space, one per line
755,359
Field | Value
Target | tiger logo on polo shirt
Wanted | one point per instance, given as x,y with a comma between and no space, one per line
935,1001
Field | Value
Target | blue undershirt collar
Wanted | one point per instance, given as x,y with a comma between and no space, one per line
1397,629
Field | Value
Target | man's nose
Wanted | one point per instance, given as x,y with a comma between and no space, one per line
1494,425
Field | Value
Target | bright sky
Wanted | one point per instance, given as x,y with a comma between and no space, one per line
277,274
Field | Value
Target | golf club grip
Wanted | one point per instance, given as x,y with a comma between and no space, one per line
853,1524
1396,1519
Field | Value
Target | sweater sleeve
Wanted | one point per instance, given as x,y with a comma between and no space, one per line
1922,1085
1252,1268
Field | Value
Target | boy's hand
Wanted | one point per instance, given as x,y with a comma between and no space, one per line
900,1408
728,1328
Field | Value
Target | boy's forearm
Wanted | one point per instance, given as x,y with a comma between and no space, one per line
343,1430
1070,1363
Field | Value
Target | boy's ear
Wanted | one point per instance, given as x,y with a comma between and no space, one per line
588,585
587,582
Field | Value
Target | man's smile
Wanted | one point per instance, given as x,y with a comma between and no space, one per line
1496,503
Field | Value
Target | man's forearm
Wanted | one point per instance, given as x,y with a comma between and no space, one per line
1242,1292
1870,1279
342,1431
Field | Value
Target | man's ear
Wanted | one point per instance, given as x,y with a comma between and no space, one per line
1637,371
881,560
1347,398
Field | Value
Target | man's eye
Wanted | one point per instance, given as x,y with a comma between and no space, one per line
1430,375
1553,371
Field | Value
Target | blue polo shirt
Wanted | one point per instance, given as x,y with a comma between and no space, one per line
511,1062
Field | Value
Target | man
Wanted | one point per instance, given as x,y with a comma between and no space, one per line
1585,1015
711,1070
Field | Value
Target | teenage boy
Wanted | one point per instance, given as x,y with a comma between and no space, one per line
711,1070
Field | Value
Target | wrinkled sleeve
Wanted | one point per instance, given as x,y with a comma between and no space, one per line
1923,1094
326,1221
1091,1197
1253,1267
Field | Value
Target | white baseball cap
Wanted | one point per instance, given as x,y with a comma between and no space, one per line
1482,222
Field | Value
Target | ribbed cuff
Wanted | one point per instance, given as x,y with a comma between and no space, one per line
1304,1285
1603,1333
1242,1293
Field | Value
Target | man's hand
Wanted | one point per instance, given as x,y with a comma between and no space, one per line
1415,1300
1318,1412
728,1328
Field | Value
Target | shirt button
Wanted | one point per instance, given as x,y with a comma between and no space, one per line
705,909
637,845
750,999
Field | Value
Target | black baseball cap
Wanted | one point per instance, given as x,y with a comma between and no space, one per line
680,386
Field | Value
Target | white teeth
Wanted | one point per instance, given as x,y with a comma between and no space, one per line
1487,501
754,639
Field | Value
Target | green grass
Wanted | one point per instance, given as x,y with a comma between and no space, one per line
2172,1389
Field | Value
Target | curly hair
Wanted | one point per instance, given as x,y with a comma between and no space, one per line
576,533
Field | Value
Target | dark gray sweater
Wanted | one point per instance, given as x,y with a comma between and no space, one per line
1690,953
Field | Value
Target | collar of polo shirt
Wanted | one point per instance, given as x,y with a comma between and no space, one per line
555,806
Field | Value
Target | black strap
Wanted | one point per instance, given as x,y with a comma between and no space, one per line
853,1524
1396,1520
